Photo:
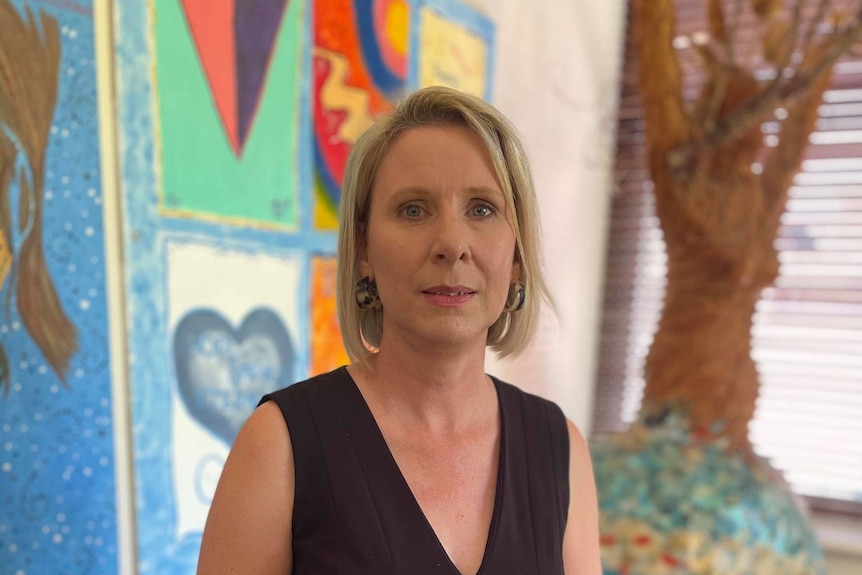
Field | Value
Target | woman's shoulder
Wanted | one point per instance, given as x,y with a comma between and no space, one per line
532,405
313,385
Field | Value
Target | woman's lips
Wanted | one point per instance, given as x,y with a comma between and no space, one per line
449,290
448,295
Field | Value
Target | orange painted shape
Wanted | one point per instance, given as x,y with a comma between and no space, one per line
327,350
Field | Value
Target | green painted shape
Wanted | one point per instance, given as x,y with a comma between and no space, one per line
200,172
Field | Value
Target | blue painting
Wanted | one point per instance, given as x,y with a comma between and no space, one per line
216,307
57,487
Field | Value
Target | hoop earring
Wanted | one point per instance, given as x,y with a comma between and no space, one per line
366,294
517,297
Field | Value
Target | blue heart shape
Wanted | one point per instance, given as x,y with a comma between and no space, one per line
222,373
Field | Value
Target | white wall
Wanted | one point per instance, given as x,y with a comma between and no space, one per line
556,78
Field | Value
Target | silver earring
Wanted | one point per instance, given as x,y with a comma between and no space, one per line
366,294
517,297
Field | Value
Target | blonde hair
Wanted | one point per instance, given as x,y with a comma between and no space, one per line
439,106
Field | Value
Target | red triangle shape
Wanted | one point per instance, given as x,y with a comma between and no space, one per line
212,28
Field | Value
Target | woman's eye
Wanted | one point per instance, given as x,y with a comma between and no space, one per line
412,211
482,210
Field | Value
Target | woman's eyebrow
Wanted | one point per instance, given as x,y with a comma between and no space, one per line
410,191
421,192
485,190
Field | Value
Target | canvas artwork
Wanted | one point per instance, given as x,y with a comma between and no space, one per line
235,120
57,487
232,70
359,69
212,171
453,48
233,342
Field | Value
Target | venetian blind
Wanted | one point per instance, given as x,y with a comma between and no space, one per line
807,334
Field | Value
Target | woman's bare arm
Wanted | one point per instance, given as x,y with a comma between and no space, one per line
248,529
581,541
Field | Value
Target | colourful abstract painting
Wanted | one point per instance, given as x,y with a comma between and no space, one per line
359,70
57,486
232,69
235,118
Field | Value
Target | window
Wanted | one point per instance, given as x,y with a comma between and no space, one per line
807,334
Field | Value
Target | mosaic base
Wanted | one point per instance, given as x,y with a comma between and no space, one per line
674,502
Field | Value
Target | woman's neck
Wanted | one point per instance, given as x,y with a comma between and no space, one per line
444,391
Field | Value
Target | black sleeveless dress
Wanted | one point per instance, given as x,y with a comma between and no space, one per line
354,513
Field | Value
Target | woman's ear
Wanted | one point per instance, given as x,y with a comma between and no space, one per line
516,271
516,265
365,269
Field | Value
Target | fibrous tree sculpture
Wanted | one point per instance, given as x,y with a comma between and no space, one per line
720,190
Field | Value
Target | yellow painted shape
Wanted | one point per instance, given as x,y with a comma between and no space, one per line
397,19
451,55
336,94
325,216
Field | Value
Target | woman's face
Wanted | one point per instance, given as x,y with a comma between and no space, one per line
438,239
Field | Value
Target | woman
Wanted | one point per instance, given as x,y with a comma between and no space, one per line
412,460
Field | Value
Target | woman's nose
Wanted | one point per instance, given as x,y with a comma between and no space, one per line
452,242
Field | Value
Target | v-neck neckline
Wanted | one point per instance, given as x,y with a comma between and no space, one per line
408,493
